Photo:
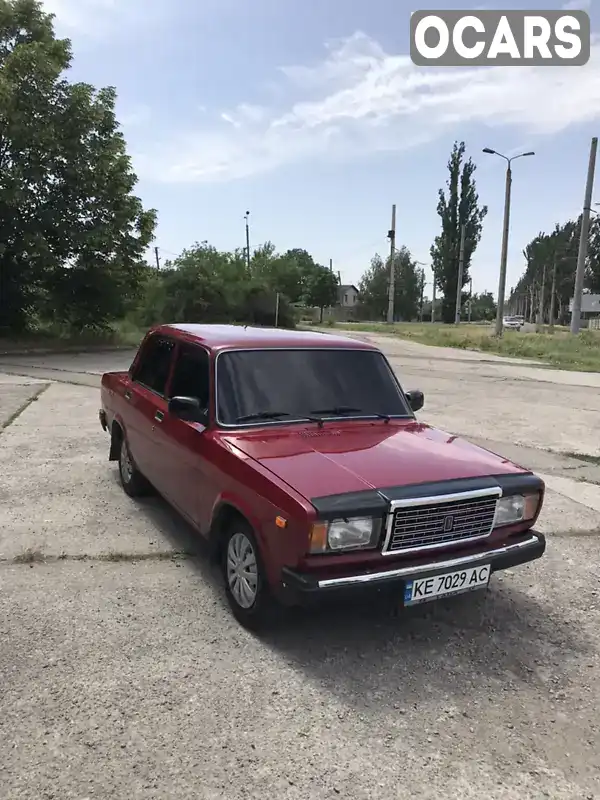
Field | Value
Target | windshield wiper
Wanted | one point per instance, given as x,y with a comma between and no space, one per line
262,415
339,410
275,414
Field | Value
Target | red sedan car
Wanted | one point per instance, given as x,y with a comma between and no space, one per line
299,457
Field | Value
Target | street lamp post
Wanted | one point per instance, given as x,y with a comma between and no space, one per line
246,218
505,228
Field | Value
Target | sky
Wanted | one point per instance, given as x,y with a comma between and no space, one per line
310,115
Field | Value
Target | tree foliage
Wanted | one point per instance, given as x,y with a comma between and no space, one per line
457,206
208,285
72,234
555,253
483,307
374,287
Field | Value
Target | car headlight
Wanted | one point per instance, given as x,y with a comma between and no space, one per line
353,533
516,508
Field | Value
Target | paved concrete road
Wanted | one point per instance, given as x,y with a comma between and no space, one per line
124,676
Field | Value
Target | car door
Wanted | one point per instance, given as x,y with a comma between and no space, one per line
146,396
186,445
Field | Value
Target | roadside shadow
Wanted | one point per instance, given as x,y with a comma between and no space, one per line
375,653
185,541
379,654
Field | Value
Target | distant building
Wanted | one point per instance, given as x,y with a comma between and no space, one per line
347,296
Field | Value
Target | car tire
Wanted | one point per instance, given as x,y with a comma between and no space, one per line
246,589
133,482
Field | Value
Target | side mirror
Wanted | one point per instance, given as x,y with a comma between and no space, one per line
416,399
188,409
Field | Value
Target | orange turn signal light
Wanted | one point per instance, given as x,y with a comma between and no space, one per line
532,502
281,522
318,537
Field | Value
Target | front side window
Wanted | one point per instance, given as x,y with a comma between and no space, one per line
283,385
191,375
153,367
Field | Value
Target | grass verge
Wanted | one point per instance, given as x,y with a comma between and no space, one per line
59,338
558,349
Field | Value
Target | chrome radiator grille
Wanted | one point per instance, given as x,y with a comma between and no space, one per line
423,525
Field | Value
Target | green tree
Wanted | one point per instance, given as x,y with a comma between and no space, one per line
483,307
592,276
457,206
321,288
544,251
280,272
72,234
206,285
374,288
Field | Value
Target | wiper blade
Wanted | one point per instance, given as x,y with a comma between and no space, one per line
262,415
275,415
339,410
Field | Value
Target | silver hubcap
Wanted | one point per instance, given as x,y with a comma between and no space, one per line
242,570
125,463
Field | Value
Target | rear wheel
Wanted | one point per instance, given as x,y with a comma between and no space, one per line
245,581
132,480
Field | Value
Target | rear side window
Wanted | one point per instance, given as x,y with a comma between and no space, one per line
154,364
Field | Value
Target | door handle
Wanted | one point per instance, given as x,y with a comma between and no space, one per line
159,416
127,394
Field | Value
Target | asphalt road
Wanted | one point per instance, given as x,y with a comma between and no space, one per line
123,675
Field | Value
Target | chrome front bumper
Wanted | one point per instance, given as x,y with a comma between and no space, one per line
510,554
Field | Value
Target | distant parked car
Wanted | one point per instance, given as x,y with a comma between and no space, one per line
299,457
513,323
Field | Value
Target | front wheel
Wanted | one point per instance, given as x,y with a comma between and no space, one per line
245,582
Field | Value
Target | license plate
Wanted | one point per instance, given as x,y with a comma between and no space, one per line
422,590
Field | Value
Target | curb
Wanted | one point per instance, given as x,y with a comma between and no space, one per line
45,351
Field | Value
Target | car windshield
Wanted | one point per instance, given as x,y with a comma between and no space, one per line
283,385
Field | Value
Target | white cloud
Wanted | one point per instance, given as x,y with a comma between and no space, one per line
577,5
360,100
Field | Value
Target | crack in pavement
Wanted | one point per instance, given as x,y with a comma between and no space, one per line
31,556
576,533
23,407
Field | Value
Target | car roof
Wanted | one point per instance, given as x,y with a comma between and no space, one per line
234,337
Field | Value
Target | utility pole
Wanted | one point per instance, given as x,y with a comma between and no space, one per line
433,297
470,296
504,253
583,240
422,292
277,309
331,265
392,238
505,229
461,267
157,258
246,217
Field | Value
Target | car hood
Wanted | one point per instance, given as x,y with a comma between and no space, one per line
354,457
